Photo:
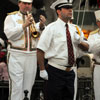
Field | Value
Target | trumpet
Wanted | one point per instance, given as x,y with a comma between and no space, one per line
32,28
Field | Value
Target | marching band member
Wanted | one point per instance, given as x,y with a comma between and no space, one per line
23,35
58,44
94,48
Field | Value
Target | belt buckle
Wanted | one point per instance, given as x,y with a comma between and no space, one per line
68,69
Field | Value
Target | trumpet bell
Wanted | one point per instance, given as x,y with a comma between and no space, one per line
33,31
35,34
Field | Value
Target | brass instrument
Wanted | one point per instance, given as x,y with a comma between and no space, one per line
32,28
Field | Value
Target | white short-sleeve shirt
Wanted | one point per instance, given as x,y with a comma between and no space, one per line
53,42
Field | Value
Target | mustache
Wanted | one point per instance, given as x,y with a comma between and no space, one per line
68,17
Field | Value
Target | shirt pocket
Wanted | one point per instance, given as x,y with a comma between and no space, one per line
60,43
59,38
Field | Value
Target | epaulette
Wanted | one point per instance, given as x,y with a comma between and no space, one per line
77,28
95,31
13,13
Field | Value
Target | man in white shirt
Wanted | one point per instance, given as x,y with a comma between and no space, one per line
22,34
60,76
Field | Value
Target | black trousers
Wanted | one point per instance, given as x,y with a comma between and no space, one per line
60,84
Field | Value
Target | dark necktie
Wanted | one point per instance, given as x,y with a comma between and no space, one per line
70,47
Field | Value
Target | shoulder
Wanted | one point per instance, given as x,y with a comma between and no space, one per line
12,16
51,25
13,13
94,32
50,28
75,26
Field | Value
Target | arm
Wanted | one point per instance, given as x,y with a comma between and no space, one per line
80,40
40,58
12,31
83,46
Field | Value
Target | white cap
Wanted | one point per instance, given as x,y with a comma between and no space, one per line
2,42
28,1
97,15
61,3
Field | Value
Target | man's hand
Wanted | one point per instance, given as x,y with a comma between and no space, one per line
44,74
42,22
28,21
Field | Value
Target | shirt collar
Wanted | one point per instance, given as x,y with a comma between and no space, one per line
20,13
61,22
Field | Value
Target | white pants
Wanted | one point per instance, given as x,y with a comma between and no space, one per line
97,82
22,70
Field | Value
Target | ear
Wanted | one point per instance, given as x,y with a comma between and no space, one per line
58,11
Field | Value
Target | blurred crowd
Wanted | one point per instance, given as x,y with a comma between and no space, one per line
3,61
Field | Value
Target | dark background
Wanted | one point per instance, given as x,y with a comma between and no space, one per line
6,6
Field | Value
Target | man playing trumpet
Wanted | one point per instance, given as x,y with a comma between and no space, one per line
22,60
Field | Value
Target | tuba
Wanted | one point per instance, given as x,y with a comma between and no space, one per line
32,28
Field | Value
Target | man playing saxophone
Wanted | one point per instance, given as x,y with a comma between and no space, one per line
22,60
